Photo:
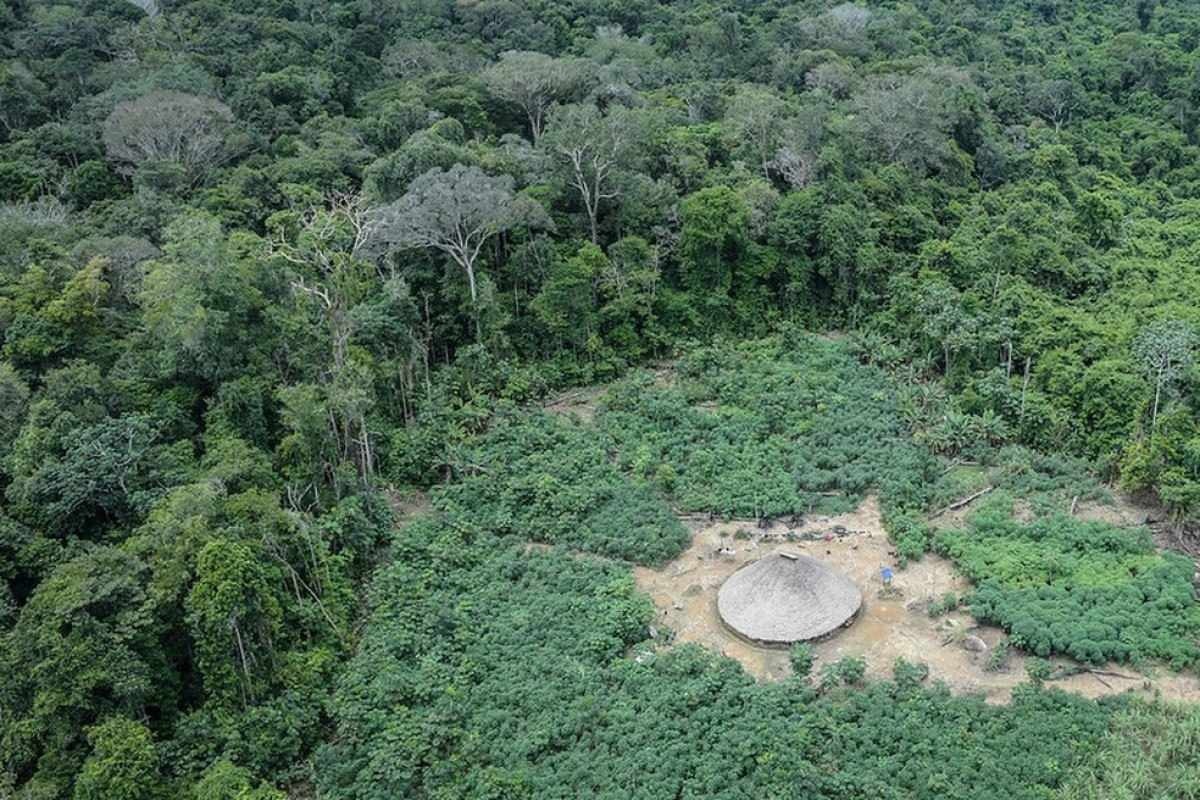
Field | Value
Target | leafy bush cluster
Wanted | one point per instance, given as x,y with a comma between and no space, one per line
911,534
545,479
1089,590
767,428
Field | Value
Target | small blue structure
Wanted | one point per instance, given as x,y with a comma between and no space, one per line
887,574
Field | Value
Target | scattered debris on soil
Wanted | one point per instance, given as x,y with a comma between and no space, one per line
580,402
894,622
963,503
407,505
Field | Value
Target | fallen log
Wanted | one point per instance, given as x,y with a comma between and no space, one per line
1111,674
964,502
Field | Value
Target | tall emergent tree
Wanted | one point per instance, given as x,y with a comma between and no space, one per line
170,127
534,82
755,118
455,211
1165,349
326,247
594,147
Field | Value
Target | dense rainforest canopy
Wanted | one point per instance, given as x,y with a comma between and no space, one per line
267,267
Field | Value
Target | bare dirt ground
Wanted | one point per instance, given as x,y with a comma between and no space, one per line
684,593
582,401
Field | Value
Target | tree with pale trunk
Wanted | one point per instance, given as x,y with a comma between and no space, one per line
796,158
754,118
1053,101
535,82
1164,349
456,212
907,119
328,249
594,147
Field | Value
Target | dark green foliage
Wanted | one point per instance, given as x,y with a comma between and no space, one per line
123,764
224,780
85,646
801,658
1039,670
906,673
848,671
1150,751
943,605
1084,589
910,533
211,371
998,659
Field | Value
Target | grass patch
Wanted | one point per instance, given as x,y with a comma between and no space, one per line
1152,752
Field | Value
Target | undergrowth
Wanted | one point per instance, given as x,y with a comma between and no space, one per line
1089,590
768,428
543,478
1152,751
486,671
790,425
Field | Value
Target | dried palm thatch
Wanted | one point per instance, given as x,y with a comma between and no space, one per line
785,598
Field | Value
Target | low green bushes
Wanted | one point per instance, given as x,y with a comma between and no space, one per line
1089,590
546,479
772,427
486,671
1150,751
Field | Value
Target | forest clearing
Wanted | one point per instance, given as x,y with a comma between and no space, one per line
599,399
887,627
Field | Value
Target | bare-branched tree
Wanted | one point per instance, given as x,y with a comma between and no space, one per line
594,146
1165,350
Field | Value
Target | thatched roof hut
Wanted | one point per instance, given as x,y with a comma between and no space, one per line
785,598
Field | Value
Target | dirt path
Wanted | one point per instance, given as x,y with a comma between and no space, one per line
684,592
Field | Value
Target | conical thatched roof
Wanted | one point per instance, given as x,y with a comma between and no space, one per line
785,598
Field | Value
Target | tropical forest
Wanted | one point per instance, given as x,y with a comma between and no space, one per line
622,399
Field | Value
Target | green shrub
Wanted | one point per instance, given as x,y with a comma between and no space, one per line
848,671
1088,590
1039,670
801,658
998,658
483,665
947,603
770,427
1151,751
906,673
542,478
911,535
